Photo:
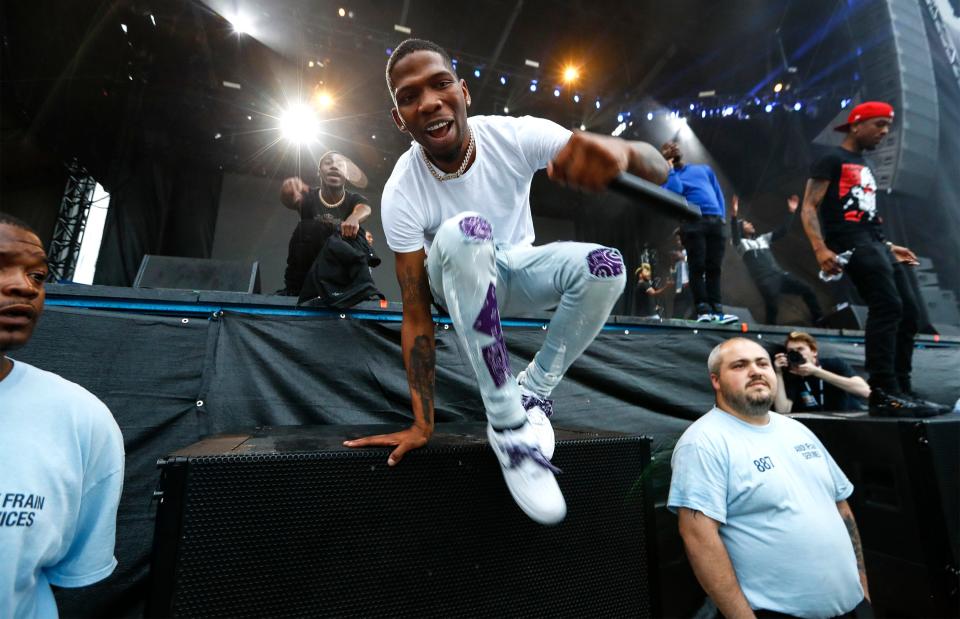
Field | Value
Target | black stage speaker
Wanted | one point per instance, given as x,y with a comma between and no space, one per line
906,477
848,317
198,274
897,67
286,521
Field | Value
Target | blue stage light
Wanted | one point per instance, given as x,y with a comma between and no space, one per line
476,72
619,118
503,81
797,106
576,98
768,108
596,104
649,115
556,92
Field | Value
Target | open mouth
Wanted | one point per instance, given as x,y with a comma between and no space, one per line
439,130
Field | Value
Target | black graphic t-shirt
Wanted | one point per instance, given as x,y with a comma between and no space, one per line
813,394
848,214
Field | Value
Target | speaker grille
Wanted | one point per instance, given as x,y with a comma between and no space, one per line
341,534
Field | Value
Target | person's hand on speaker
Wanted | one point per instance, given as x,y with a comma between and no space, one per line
291,192
413,437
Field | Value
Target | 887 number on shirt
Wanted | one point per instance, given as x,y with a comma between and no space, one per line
763,464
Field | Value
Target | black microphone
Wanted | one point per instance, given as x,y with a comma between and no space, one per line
654,197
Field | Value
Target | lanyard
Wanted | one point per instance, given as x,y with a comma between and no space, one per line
810,391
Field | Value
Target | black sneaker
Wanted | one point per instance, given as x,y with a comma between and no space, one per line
883,404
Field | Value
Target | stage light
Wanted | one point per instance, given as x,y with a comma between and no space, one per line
476,72
703,113
323,100
797,106
583,127
298,124
217,136
342,12
778,87
649,115
389,52
506,110
727,111
576,98
153,20
768,108
503,81
533,86
373,137
241,24
596,104
454,62
619,118
556,92
570,74
124,28
844,103
691,107
620,129
310,64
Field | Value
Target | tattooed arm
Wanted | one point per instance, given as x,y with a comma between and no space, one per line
419,357
812,198
846,514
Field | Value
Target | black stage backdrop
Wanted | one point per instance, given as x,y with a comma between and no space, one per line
170,380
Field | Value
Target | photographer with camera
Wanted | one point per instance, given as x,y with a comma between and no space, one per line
811,383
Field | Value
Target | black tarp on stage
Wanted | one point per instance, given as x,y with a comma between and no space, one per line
174,372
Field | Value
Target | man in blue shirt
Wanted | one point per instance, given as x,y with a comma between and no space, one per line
703,239
762,506
61,454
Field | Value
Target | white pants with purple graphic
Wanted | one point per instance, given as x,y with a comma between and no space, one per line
474,281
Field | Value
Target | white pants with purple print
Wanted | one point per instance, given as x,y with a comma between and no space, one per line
474,281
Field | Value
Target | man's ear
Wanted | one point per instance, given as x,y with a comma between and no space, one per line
398,121
466,91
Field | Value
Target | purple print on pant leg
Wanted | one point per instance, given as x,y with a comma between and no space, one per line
495,354
605,262
476,228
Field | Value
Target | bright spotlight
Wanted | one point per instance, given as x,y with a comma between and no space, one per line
797,106
596,104
298,124
576,98
342,12
503,81
506,110
324,100
476,72
691,107
649,115
241,24
768,108
583,127
619,118
570,74
533,87
556,92
778,87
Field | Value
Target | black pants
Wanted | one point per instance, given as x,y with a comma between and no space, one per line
705,244
892,315
682,302
787,283
863,610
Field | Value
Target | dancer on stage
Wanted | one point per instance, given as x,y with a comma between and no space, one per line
843,190
702,239
771,280
456,211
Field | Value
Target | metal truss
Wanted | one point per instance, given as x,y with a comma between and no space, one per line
71,222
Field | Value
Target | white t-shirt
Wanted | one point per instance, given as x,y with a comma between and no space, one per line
61,473
774,489
497,185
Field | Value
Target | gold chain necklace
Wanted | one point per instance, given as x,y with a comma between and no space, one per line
335,204
450,175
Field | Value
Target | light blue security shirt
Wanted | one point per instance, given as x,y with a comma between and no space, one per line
61,473
774,489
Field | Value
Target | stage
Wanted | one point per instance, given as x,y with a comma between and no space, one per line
175,366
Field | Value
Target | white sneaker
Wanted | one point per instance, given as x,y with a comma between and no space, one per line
725,319
705,318
538,412
529,475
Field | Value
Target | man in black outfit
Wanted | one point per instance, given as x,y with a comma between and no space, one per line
842,188
324,211
771,280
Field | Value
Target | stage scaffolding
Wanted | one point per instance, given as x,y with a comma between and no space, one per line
71,222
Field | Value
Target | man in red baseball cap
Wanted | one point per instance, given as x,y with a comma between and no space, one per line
842,188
